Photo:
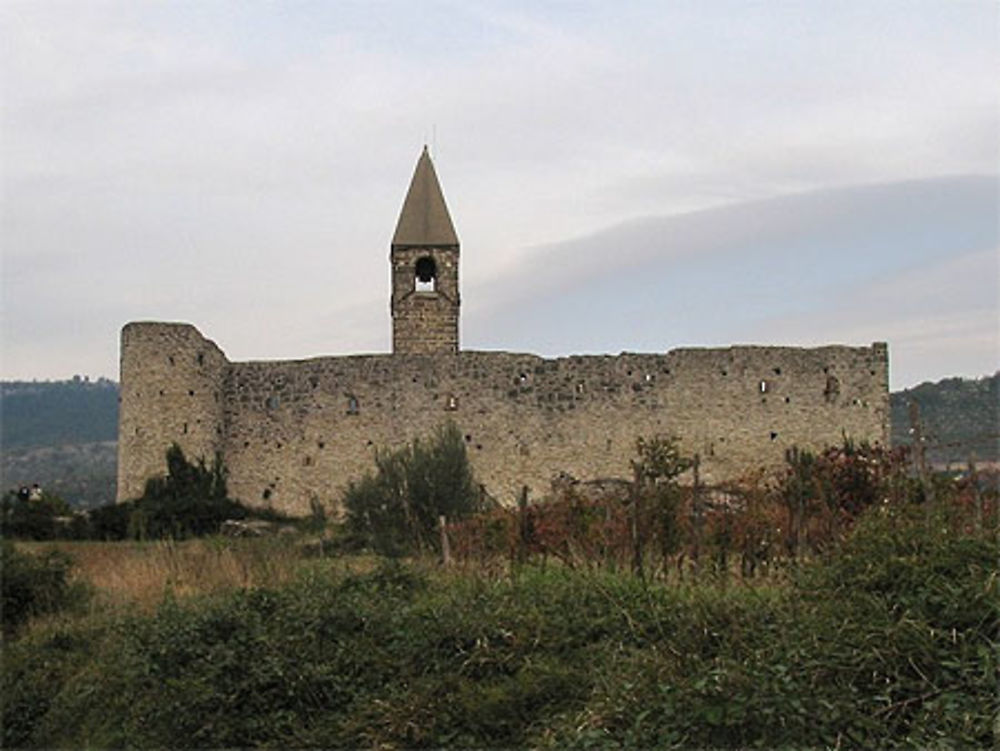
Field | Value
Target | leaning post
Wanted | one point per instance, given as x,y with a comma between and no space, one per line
445,545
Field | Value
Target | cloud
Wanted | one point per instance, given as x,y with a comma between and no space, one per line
241,165
914,263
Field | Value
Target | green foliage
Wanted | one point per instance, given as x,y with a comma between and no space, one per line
33,520
186,480
659,459
34,585
855,652
660,462
110,521
917,563
189,501
396,510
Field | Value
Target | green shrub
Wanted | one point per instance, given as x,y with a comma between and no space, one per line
396,510
34,585
110,521
26,519
37,673
189,501
917,563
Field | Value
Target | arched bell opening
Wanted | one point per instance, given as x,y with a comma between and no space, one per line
425,274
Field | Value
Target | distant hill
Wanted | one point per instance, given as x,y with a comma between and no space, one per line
62,434
49,413
960,417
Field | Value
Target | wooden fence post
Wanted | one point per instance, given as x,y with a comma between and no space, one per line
445,546
920,453
522,525
636,528
977,497
696,508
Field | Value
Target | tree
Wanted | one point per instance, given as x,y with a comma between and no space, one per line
395,511
190,500
655,472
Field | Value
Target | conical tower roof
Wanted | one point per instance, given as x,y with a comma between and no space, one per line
424,219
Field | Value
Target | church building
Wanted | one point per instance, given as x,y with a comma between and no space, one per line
295,433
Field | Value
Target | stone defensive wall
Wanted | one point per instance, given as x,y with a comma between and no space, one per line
292,432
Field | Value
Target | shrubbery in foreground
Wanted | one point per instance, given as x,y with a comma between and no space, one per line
890,642
34,585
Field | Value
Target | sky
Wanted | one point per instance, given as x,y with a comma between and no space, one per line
633,176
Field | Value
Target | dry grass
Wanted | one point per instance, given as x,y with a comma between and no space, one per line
141,573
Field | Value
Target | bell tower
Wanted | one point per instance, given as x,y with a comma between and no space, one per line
424,263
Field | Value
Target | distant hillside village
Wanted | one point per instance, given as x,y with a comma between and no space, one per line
62,434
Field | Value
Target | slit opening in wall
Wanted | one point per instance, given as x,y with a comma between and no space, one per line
353,407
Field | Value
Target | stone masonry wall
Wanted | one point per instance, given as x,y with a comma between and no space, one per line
296,431
171,390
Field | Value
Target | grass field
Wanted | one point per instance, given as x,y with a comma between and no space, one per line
889,642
